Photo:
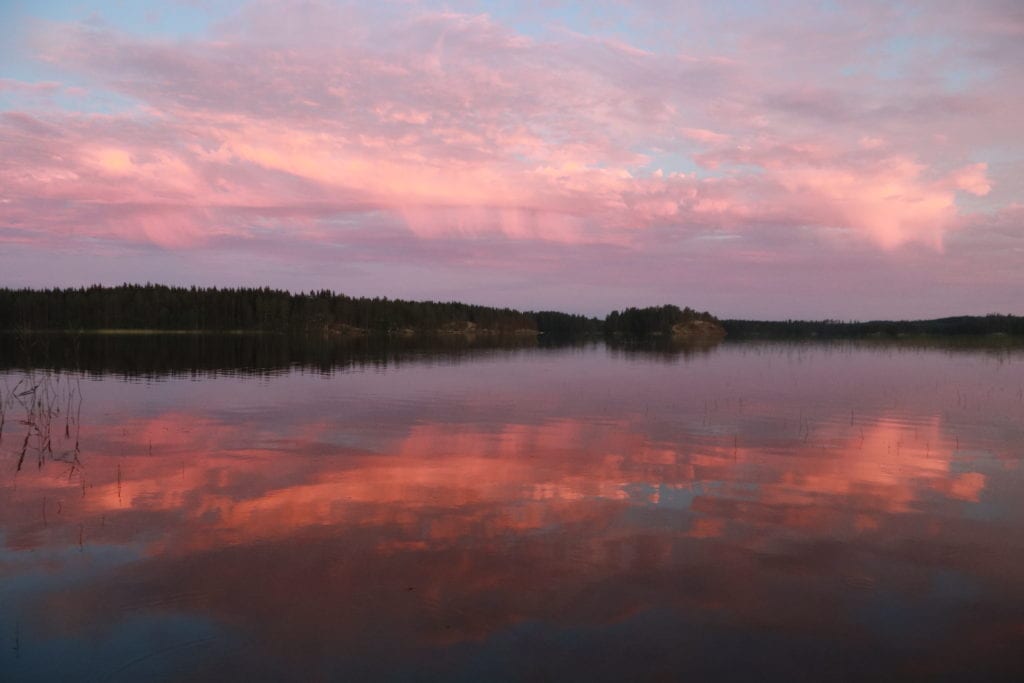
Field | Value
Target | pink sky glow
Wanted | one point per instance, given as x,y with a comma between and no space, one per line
768,160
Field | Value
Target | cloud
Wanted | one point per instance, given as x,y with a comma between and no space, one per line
290,121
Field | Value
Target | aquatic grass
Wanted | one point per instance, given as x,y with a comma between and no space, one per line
38,402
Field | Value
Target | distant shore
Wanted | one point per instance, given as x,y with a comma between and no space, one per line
132,331
152,309
990,325
158,309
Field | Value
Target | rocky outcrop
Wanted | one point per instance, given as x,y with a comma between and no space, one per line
698,331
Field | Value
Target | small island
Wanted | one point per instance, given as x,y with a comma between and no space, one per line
667,322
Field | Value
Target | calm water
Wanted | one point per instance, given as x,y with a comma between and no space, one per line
746,513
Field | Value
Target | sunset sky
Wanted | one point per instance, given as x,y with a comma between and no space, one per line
756,159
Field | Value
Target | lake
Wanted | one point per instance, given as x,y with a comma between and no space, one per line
745,512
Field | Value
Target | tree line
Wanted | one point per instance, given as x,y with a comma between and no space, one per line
164,308
158,307
958,326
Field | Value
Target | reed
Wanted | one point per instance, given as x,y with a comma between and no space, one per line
42,403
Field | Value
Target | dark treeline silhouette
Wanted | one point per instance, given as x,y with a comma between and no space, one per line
157,307
201,309
961,326
654,320
566,325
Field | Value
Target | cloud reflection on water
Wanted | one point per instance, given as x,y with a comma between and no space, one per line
388,540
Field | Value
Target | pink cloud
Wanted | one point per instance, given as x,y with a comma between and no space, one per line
972,179
503,133
704,135
13,85
290,120
893,205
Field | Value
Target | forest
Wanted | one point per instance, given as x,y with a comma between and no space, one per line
158,307
566,325
199,309
212,309
958,326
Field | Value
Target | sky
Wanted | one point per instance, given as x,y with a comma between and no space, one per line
756,159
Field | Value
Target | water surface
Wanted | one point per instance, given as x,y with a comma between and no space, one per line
750,512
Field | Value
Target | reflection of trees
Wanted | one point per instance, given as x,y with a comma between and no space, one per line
49,407
1002,347
260,354
664,349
